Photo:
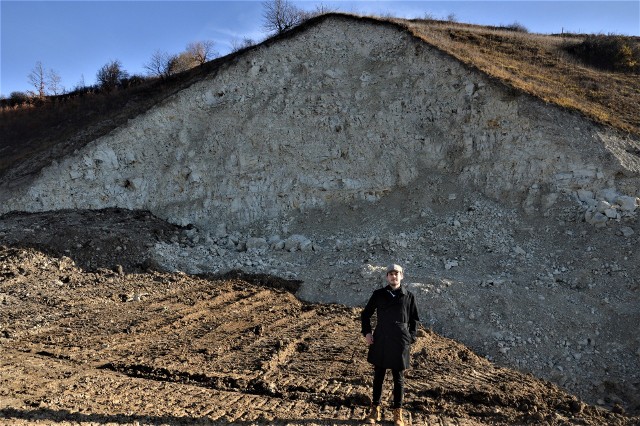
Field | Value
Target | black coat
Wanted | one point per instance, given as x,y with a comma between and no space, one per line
396,327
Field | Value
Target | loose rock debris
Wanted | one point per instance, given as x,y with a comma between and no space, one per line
205,350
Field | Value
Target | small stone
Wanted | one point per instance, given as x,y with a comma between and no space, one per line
295,242
274,239
627,231
608,194
598,219
611,213
627,204
450,264
221,230
257,243
584,195
518,250
603,206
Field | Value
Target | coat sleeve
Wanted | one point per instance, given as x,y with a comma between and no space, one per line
366,315
414,319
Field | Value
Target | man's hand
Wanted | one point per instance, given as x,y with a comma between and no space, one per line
369,338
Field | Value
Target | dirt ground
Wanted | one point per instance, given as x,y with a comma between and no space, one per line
84,342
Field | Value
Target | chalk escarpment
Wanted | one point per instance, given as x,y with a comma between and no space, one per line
343,110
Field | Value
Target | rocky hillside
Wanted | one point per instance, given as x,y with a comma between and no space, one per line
351,143
314,119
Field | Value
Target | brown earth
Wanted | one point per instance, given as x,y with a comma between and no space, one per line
82,342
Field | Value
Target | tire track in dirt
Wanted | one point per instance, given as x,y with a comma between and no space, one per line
195,325
201,351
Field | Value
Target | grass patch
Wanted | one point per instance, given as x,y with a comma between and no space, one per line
545,67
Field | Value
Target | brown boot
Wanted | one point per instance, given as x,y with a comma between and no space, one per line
374,415
397,417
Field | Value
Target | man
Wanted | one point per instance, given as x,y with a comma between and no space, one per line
389,345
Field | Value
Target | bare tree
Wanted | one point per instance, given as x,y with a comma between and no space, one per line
237,45
37,78
280,16
81,84
201,51
321,9
111,75
163,64
182,62
54,80
160,64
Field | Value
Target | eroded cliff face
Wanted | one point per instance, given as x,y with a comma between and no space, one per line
344,110
324,156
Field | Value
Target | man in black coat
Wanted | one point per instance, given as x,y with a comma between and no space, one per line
389,344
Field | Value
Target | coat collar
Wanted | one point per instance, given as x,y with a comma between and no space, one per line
403,291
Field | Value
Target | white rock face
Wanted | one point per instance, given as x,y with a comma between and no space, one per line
344,110
412,158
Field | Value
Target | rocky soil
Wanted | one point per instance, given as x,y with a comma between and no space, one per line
548,296
549,293
152,348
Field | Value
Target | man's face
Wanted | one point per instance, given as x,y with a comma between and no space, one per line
394,278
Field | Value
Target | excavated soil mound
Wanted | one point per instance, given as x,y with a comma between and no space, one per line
117,347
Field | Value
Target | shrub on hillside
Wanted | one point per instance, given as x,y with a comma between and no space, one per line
18,98
133,81
609,52
111,75
517,27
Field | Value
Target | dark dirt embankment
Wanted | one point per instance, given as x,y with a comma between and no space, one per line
129,345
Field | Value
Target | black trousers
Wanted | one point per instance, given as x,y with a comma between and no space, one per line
398,386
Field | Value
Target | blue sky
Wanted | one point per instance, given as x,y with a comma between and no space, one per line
76,38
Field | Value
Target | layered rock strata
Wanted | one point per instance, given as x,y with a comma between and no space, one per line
344,109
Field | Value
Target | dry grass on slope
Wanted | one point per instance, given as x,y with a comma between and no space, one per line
540,65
